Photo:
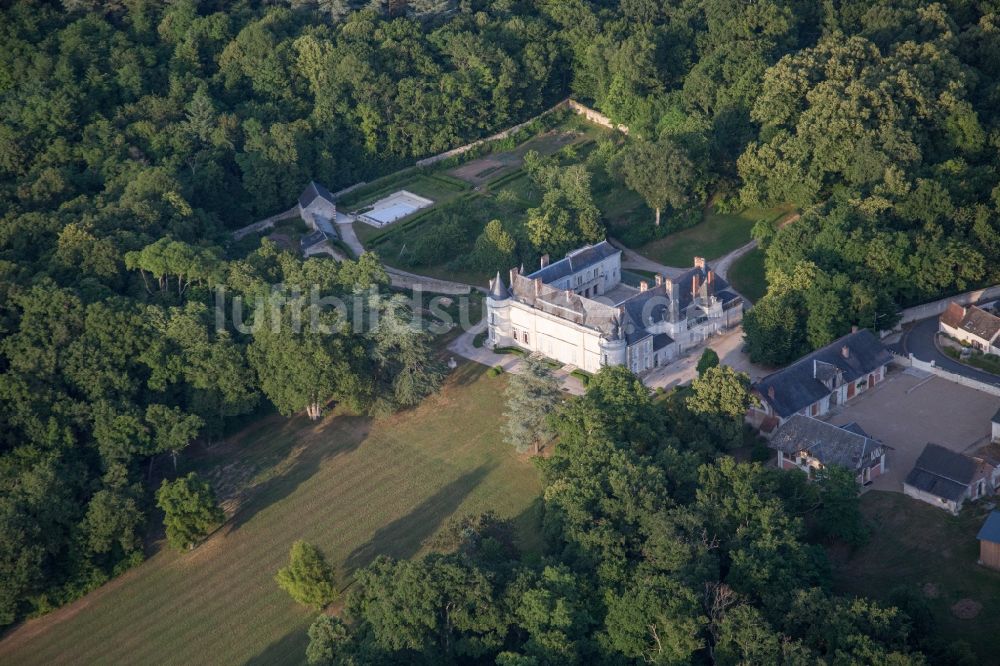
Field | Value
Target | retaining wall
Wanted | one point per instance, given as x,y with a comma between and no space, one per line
936,308
930,367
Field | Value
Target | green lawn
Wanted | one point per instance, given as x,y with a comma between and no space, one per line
718,235
354,487
922,547
747,275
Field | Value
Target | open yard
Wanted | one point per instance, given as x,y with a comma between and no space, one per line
929,551
910,409
747,275
717,235
354,487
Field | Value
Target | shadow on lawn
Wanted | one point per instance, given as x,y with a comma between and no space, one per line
403,537
302,462
289,649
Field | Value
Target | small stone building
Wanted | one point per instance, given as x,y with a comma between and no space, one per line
318,210
945,479
989,541
818,381
810,445
973,326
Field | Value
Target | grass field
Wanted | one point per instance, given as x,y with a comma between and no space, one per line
926,549
747,275
718,235
354,487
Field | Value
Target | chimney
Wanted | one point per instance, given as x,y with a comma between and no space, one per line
710,283
674,294
854,328
513,275
659,280
538,286
699,262
643,285
694,286
845,351
545,260
770,392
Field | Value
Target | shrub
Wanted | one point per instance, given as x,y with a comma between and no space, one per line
479,339
307,578
495,371
190,510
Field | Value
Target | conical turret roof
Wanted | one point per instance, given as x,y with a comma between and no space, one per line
498,291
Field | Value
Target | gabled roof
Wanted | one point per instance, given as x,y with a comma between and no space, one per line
942,472
309,240
312,192
827,443
576,261
990,531
972,319
796,387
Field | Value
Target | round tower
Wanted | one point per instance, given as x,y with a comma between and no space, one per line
498,314
614,348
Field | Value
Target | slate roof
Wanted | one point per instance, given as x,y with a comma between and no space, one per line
796,386
313,191
661,340
314,238
990,531
498,290
996,417
942,472
576,261
827,443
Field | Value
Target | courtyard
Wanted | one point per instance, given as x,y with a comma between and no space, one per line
911,408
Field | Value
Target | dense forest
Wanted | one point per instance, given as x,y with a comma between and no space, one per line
135,134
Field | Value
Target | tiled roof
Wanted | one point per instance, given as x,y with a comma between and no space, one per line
990,531
953,315
796,386
981,323
576,261
942,472
312,192
827,443
314,238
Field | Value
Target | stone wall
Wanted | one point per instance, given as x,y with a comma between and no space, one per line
932,368
936,308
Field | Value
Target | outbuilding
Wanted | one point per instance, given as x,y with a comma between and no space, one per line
989,541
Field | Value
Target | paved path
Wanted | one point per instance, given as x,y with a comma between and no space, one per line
632,259
918,339
346,229
729,347
722,265
462,345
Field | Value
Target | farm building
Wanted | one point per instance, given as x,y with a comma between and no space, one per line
973,326
810,445
827,377
318,210
577,311
989,541
946,479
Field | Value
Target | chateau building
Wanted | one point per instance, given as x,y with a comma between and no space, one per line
578,311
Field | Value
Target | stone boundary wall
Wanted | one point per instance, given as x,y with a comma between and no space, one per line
590,114
594,116
913,362
936,308
267,223
403,280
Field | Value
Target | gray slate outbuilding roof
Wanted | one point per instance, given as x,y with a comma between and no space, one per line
796,386
996,417
990,531
942,472
313,191
575,262
827,443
